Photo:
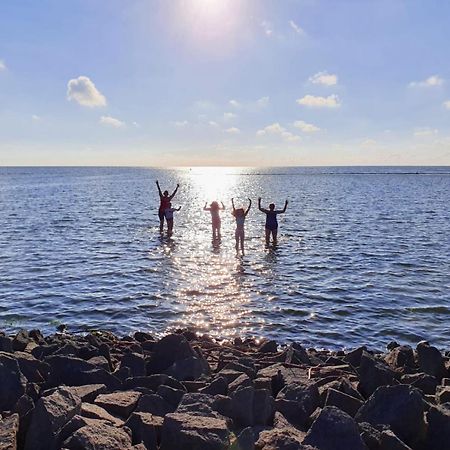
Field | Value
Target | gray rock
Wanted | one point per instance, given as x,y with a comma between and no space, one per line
145,428
189,368
401,407
120,403
430,360
242,406
49,416
187,432
12,382
170,395
344,402
401,356
263,407
373,373
9,428
245,440
334,430
135,362
354,357
6,344
438,435
242,366
154,404
97,412
426,383
99,437
389,441
21,341
218,386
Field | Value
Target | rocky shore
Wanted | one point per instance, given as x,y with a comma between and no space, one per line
190,392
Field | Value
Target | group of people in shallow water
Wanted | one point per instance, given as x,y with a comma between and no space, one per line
166,211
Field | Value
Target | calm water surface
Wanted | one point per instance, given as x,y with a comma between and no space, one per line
363,254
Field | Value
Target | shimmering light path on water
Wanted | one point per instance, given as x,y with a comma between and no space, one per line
363,255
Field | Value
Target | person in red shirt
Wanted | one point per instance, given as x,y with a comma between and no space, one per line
165,200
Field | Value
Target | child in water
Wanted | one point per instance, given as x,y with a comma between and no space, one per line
271,220
168,213
214,209
240,216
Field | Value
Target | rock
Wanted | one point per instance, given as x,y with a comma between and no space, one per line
153,382
141,336
344,402
135,362
241,381
242,406
87,392
438,435
6,344
120,403
12,382
286,439
426,383
170,395
334,430
245,440
49,416
373,373
443,394
401,356
389,441
269,347
281,376
189,368
354,357
99,437
20,341
370,435
145,428
183,431
99,361
391,345
9,427
430,360
196,404
34,370
97,412
263,407
401,407
218,386
154,404
230,375
223,405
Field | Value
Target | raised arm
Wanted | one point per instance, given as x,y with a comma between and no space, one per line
178,208
174,192
249,206
259,206
159,189
232,204
205,208
284,209
223,207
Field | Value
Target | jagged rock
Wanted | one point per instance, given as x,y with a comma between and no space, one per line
120,403
263,407
189,368
241,381
135,362
49,416
154,404
223,405
6,344
142,336
87,392
145,428
9,427
245,440
269,347
99,437
344,402
97,412
152,382
426,383
12,382
21,340
373,373
401,356
99,361
187,432
334,430
389,441
286,439
282,376
230,374
443,394
370,435
218,386
354,357
170,395
430,360
438,435
196,404
34,370
401,407
242,406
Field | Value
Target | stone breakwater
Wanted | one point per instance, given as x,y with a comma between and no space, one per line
186,392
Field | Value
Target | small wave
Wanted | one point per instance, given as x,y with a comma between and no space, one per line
429,309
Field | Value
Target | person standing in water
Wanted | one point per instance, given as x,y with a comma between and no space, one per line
214,209
165,200
271,220
169,218
240,216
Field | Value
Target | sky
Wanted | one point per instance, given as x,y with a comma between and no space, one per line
224,82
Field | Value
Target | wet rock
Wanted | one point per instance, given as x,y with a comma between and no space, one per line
170,395
183,431
373,373
120,403
97,412
430,360
438,435
426,383
218,386
189,368
389,441
344,402
20,341
9,427
401,407
12,382
145,428
99,437
334,430
49,416
135,362
401,356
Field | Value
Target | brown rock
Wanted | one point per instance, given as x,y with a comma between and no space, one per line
120,403
96,437
145,428
9,427
97,412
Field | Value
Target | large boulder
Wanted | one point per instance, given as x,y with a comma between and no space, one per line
187,432
154,404
33,369
400,407
145,428
389,441
373,373
97,412
430,360
438,435
135,362
334,430
344,402
401,356
100,437
8,432
12,382
49,416
120,403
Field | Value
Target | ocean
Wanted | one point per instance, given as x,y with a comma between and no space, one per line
363,255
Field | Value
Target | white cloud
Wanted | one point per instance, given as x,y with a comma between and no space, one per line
277,129
83,91
229,116
325,78
232,130
136,125
447,104
267,28
432,81
2,65
234,103
111,122
213,124
290,137
425,132
306,127
180,123
35,118
263,102
332,101
369,143
298,29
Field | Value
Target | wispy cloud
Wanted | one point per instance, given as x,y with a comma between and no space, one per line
83,91
277,129
332,101
324,78
263,102
369,143
425,132
232,130
180,123
2,65
229,116
267,28
306,127
109,121
234,103
432,81
35,118
297,28
447,104
213,124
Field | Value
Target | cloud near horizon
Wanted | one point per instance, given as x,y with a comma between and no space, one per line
83,91
324,78
332,101
432,81
277,129
2,65
111,122
306,127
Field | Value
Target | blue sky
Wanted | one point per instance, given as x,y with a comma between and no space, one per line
224,82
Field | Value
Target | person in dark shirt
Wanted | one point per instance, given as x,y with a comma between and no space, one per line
271,220
165,199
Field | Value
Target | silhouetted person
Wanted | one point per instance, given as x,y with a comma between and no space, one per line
168,213
271,220
240,216
165,200
214,209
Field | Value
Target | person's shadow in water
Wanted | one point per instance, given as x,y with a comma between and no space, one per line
216,242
